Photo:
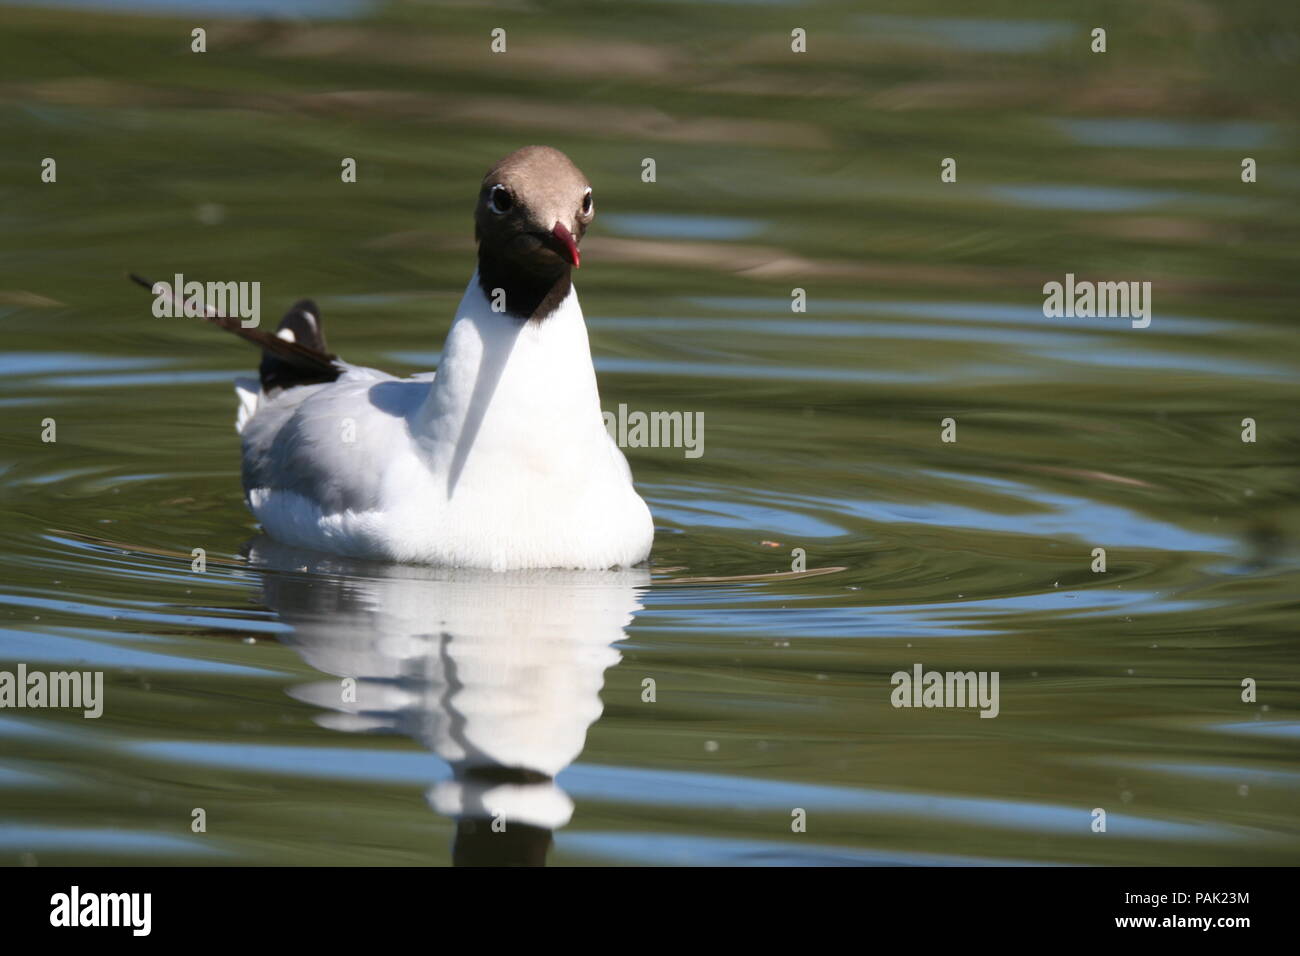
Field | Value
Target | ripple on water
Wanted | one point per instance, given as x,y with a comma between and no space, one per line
1154,133
971,34
679,226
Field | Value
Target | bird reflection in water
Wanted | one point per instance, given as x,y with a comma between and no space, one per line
498,673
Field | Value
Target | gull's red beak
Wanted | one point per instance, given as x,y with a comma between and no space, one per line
570,245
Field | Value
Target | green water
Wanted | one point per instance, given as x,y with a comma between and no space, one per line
1119,690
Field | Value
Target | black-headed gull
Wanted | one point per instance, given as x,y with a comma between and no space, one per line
501,460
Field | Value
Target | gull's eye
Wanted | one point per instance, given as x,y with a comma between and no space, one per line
499,199
586,202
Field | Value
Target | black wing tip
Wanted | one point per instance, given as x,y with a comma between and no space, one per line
279,370
304,322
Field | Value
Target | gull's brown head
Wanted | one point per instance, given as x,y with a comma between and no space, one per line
533,208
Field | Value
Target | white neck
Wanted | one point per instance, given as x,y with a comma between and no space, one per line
510,395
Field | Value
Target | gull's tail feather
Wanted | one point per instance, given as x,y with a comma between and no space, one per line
249,391
292,360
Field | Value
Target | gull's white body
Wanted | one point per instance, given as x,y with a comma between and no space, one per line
501,460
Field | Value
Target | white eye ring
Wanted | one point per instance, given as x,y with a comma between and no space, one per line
499,199
588,204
